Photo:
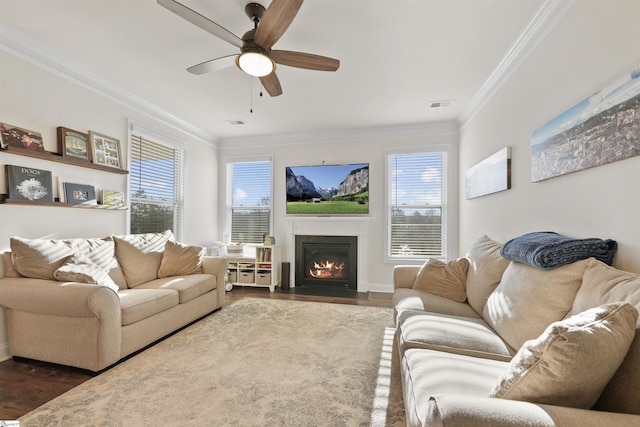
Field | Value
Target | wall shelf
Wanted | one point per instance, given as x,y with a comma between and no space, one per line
54,157
5,200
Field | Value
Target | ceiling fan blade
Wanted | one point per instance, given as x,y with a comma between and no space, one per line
271,84
304,60
213,65
275,21
201,21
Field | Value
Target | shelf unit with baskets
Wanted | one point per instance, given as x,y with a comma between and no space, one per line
263,270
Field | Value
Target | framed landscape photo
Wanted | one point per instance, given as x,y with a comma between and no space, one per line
105,150
79,194
72,143
24,139
112,198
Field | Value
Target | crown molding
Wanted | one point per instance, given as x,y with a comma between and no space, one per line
547,15
344,134
20,46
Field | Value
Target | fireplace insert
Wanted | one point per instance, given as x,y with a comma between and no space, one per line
327,261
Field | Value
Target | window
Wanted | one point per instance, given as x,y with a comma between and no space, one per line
416,204
248,215
156,176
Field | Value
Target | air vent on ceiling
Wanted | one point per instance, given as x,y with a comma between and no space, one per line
441,104
235,122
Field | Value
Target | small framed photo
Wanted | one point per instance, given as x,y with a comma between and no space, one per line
80,194
105,150
24,139
72,143
112,198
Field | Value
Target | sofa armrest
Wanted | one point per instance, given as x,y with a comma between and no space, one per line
218,267
404,275
458,410
68,299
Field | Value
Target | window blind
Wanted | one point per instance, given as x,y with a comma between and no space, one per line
416,204
249,211
156,185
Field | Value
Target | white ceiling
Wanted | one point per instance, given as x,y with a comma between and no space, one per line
396,58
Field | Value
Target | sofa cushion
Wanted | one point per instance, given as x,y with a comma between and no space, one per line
453,334
38,258
446,279
138,304
180,260
188,287
603,284
529,299
426,373
81,269
573,360
412,299
140,255
486,266
99,251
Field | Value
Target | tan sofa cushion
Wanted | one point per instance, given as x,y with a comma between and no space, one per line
81,269
453,334
427,373
447,279
603,284
188,287
573,360
412,299
529,299
9,268
38,258
140,255
486,266
138,304
180,260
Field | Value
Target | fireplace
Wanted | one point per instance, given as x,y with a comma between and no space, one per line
328,261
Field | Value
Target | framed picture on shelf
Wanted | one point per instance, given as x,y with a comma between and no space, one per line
72,143
112,198
105,150
24,139
27,183
79,194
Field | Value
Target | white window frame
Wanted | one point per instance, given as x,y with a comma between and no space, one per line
447,205
228,194
178,202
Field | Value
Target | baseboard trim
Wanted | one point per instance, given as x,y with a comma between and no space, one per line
4,352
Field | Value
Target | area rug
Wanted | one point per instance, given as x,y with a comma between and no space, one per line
256,362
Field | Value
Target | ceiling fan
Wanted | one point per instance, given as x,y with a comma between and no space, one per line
256,57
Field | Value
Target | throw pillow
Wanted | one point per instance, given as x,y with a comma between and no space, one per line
140,255
529,299
81,269
100,251
38,258
180,260
603,284
573,360
486,266
445,279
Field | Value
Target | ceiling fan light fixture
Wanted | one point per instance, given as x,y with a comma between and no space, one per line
255,63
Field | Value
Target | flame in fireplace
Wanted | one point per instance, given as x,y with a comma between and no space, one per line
327,270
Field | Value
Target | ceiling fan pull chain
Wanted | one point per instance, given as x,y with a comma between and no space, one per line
251,98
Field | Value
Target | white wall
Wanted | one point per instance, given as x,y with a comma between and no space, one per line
37,99
367,146
592,44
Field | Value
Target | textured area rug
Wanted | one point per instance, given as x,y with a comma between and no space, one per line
256,362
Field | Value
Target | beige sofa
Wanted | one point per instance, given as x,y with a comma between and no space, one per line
90,302
526,347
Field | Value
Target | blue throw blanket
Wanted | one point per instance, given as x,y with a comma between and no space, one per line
547,250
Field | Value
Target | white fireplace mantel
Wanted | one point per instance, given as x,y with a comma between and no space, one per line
330,226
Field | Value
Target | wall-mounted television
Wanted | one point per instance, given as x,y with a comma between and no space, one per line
328,189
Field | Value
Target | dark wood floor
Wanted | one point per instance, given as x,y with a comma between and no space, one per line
27,384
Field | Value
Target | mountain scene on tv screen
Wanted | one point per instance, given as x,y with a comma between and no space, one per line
328,189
